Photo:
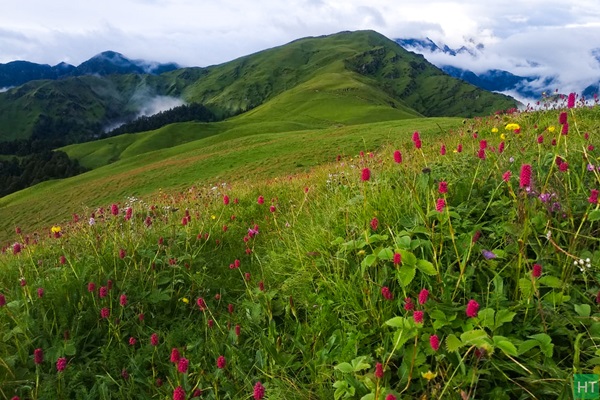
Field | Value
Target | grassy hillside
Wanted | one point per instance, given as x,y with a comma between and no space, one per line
232,155
453,263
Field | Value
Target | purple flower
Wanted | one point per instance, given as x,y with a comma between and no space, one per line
488,254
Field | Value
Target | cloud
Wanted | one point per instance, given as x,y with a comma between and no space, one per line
4,89
157,104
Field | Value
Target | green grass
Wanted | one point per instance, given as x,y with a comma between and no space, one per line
447,276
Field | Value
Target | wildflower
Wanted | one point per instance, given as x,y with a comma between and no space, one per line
443,187
565,129
390,397
123,300
211,323
141,317
525,176
23,282
459,148
506,176
590,148
440,204
494,130
128,213
540,139
55,229
182,365
102,292
247,276
488,255
551,129
562,118
259,391
260,200
16,248
197,393
593,196
175,356
226,200
230,308
502,136
122,254
261,286
179,393
586,135
537,271
91,287
434,342
563,167
40,292
397,258
148,222
365,175
418,144
2,300
221,362
61,364
185,300
114,209
379,370
571,100
397,157
598,298
237,263
154,339
374,223
590,167
201,304
386,293
481,154
472,308
476,237
418,317
428,375
132,341
483,144
62,260
415,136
443,150
423,296
124,374
408,304
105,312
38,356
512,127
501,148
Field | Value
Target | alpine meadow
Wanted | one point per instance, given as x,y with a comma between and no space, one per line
347,222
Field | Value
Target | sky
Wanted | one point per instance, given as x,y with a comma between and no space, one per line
552,37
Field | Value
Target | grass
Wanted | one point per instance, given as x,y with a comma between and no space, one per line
395,271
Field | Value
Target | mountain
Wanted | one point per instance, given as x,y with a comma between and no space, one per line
16,73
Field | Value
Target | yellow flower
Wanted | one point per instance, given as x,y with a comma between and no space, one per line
551,129
429,375
494,130
502,136
55,229
512,127
185,300
213,217
362,253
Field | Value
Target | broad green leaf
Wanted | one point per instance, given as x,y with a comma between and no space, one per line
156,296
398,322
376,238
507,347
526,287
70,349
556,298
426,267
545,343
550,281
344,367
339,240
486,317
386,254
370,396
405,274
453,343
369,261
475,337
358,364
403,242
408,258
583,310
527,345
594,216
503,316
402,336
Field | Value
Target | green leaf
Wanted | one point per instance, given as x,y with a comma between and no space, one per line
526,287
503,316
583,310
545,343
426,267
386,254
453,343
157,296
486,317
369,261
405,274
507,347
594,216
408,258
527,345
370,396
403,242
556,298
550,281
344,367
358,364
397,322
70,349
475,337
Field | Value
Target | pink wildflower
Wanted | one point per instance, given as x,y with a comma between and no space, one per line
423,296
104,312
571,100
226,200
440,204
443,187
179,393
365,174
525,176
182,365
175,356
374,224
38,356
386,293
61,364
379,370
397,157
593,196
154,339
123,300
472,308
221,362
434,342
418,317
537,271
259,391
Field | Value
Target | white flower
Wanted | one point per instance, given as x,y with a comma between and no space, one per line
92,221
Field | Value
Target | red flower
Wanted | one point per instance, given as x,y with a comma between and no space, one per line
506,176
16,248
434,342
237,263
178,393
247,276
128,213
423,295
418,317
197,393
154,339
184,221
374,224
565,129
501,148
104,312
386,293
123,300
443,187
563,167
397,258
537,271
221,362
540,139
182,365
38,356
472,308
260,200
408,304
525,176
481,154
379,370
40,292
201,304
226,200
459,148
261,286
571,100
91,287
418,144
122,254
562,118
238,330
443,150
230,308
259,391
272,209
132,341
62,260
114,209
390,397
483,144
397,157
2,300
415,136
593,196
102,292
61,364
365,175
440,204
175,356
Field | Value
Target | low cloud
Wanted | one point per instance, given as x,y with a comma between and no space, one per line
4,89
159,103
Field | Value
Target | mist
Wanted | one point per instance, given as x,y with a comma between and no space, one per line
157,104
